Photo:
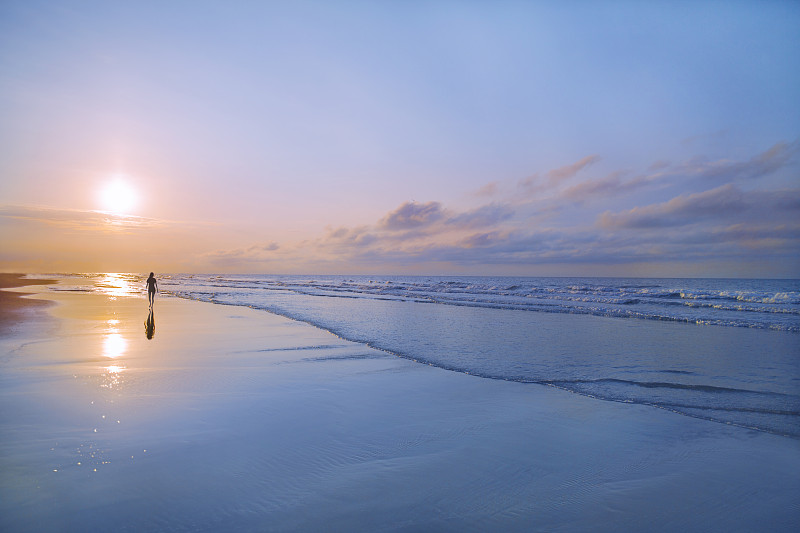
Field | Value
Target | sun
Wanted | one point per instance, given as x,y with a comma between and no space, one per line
118,197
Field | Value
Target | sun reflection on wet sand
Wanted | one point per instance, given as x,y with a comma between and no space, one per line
114,345
116,285
113,376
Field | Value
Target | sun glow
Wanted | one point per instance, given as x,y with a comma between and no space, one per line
118,197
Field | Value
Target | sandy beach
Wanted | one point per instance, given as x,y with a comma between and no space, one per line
15,311
206,417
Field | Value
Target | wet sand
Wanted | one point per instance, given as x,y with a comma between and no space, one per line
229,418
14,309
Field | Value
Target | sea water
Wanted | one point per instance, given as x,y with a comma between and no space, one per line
726,350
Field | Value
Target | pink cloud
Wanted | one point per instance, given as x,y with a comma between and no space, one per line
566,172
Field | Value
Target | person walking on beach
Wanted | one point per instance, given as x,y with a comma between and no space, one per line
152,288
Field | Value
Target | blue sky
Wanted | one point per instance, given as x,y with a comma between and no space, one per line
542,138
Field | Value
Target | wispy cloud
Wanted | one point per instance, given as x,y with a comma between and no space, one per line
78,219
758,166
660,174
482,217
569,171
412,215
351,238
722,203
553,178
258,253
613,184
488,190
51,239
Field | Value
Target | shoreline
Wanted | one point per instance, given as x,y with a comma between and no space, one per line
234,418
14,308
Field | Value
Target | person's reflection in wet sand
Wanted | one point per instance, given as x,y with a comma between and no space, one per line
150,325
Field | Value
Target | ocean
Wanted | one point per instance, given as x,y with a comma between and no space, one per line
724,350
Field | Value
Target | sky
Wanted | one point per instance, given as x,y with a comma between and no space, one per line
572,138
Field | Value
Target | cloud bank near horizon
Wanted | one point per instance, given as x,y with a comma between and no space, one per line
568,220
553,218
